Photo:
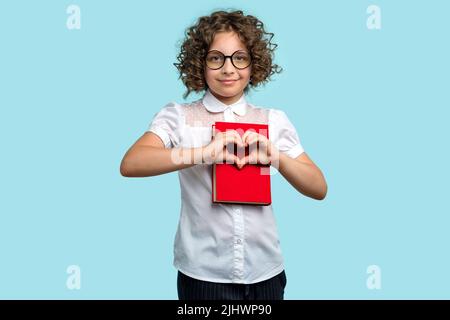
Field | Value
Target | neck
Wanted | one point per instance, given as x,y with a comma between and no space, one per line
227,100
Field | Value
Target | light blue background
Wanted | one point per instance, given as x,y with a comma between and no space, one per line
371,108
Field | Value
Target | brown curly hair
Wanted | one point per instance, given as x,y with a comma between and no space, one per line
198,38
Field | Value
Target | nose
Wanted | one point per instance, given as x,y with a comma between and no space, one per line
228,66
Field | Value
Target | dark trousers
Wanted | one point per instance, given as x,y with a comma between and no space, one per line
194,289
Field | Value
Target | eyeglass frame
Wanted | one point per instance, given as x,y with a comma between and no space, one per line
231,59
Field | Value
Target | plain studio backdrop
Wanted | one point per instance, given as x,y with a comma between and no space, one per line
371,107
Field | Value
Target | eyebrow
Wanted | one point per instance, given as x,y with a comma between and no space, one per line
212,49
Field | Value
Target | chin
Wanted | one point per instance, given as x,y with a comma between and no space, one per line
228,92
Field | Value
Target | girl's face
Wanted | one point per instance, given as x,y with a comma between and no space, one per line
227,92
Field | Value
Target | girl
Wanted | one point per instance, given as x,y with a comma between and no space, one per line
224,251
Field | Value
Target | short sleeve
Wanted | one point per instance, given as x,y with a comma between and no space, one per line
168,124
283,134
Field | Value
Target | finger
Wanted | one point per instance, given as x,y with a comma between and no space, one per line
263,147
233,134
245,135
223,134
264,158
263,140
252,140
239,163
248,132
266,145
248,135
252,158
233,139
245,160
236,134
231,159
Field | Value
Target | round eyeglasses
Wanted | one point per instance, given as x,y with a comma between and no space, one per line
216,59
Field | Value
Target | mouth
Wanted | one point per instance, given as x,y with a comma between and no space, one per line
227,82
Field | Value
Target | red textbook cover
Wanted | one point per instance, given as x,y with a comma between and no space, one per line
249,185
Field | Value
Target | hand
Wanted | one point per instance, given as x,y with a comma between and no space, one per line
218,152
261,150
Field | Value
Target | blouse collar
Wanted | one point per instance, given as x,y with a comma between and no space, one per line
212,104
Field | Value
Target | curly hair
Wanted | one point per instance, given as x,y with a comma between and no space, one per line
199,37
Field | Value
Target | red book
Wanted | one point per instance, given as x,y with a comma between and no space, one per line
250,184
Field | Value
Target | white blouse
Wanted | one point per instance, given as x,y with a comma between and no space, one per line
225,243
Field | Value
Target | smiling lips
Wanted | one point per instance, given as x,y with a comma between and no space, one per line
230,81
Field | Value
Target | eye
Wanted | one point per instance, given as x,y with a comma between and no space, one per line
214,56
241,57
